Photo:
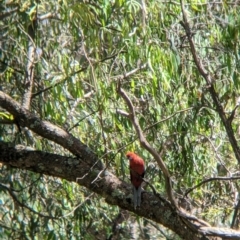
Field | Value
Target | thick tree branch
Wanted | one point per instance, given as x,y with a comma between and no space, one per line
87,171
210,82
113,190
48,130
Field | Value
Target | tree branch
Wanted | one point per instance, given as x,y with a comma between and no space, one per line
209,80
235,214
115,191
48,130
85,67
167,118
112,189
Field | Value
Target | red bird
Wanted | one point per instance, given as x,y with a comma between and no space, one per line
137,170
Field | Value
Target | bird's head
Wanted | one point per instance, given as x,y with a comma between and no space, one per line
130,155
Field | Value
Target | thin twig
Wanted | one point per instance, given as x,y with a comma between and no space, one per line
14,197
167,118
57,83
74,106
72,74
210,180
230,119
159,228
8,13
154,190
77,124
78,206
130,73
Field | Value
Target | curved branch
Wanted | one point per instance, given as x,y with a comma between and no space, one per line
112,189
145,144
49,130
115,191
209,80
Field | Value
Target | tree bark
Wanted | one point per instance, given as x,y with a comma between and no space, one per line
86,169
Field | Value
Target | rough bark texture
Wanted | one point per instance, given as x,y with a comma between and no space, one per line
47,130
114,191
87,170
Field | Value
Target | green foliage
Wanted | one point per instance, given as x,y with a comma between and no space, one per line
86,47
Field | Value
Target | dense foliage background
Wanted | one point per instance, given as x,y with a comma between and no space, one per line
70,56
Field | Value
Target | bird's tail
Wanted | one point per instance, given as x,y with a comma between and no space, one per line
137,196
